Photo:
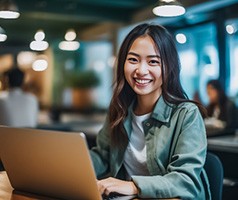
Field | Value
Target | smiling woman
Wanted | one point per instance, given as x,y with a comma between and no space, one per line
143,73
153,143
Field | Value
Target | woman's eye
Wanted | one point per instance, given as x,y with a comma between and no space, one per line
133,60
154,62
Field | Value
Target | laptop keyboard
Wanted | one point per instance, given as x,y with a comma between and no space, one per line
116,196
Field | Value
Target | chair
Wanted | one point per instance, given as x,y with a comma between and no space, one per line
214,170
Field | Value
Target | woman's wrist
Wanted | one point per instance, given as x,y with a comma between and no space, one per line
134,188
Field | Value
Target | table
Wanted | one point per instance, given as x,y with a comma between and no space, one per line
7,192
227,143
226,148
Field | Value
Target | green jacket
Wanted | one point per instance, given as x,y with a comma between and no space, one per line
176,152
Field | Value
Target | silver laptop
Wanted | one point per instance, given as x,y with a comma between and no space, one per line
50,163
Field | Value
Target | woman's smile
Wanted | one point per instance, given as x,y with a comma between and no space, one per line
142,82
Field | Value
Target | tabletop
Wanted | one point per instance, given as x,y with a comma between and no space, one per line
227,143
8,193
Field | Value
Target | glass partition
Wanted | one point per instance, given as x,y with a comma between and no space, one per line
232,43
197,47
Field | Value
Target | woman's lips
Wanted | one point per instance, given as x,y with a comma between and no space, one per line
142,82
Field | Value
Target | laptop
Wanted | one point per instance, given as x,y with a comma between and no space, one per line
50,163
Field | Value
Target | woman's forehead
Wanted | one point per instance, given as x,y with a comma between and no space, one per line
144,45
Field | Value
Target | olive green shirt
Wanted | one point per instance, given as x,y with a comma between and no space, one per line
176,151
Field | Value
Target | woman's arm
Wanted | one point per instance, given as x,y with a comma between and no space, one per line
100,154
111,185
182,179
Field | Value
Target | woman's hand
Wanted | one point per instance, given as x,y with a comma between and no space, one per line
108,185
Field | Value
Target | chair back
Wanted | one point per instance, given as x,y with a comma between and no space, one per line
214,170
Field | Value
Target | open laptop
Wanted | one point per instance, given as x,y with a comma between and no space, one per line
49,163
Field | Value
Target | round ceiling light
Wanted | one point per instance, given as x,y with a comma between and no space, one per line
8,10
169,8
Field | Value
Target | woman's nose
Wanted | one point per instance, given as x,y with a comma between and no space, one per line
142,69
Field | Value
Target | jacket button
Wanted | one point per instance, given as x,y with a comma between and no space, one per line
147,124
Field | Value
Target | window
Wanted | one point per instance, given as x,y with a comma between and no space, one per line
199,59
232,43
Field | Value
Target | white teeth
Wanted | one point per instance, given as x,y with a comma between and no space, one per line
141,81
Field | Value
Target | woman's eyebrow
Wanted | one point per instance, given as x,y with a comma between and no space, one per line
149,56
154,56
134,54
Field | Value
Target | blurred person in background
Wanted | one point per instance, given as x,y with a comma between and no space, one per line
17,108
221,110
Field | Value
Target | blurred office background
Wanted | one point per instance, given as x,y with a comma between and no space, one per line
68,49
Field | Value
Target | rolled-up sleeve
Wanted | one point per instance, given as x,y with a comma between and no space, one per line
188,154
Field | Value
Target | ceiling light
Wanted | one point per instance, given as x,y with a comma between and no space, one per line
39,36
69,45
169,8
181,38
39,44
8,9
3,35
40,65
230,29
70,35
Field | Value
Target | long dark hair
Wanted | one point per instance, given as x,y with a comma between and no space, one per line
123,95
222,98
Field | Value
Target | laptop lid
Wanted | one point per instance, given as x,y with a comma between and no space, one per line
51,163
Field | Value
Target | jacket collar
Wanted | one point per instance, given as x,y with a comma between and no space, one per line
162,110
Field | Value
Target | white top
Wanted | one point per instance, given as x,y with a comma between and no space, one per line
18,108
135,155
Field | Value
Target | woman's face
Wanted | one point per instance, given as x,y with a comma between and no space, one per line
143,68
212,94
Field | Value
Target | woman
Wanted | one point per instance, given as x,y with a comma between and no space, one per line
220,108
153,143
